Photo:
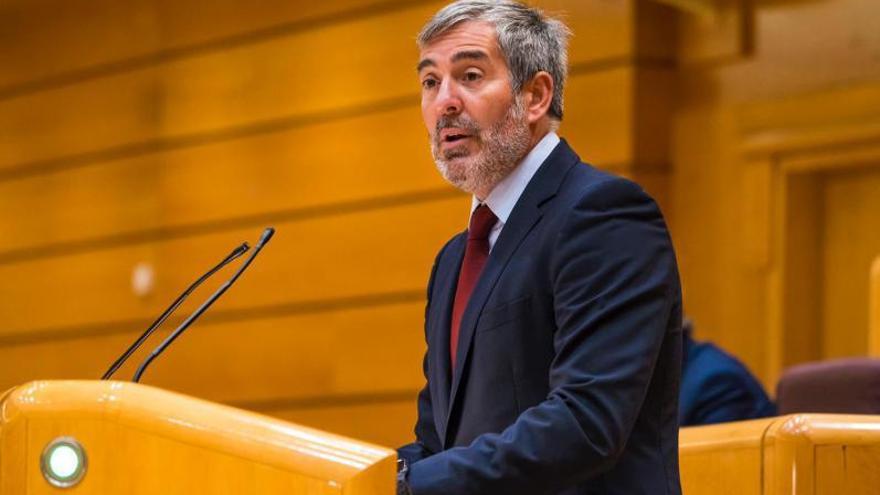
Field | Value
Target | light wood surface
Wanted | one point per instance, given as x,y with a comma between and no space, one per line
103,34
307,260
812,99
722,459
823,454
139,439
851,199
803,454
144,140
367,420
255,362
285,172
162,133
874,310
822,194
331,72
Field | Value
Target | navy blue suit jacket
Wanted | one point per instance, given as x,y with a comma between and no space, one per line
716,388
569,356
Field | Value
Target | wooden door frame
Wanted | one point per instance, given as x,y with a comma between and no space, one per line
786,144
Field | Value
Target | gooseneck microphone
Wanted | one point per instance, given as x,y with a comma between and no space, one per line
267,234
177,302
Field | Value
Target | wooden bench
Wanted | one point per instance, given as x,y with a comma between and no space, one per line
800,454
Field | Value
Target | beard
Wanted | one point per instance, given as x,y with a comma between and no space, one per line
501,147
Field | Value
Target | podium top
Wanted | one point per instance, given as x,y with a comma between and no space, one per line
198,422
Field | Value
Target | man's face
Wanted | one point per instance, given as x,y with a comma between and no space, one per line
477,127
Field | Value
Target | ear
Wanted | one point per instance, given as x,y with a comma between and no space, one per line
538,93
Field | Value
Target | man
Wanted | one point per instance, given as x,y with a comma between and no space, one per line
716,387
554,323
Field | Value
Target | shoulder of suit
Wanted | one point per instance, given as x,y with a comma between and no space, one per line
714,364
459,237
586,183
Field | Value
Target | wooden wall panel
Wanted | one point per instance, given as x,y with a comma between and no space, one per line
800,57
97,37
599,115
165,133
206,187
801,268
274,172
271,173
315,71
850,240
653,100
112,35
302,76
268,361
307,260
874,309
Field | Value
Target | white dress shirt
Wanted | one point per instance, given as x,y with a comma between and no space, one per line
504,196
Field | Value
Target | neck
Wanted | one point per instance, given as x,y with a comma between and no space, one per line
538,130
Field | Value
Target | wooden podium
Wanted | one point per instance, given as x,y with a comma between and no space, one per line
137,439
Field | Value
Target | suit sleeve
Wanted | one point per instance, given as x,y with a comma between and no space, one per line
427,443
615,286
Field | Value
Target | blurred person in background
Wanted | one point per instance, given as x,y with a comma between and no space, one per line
716,387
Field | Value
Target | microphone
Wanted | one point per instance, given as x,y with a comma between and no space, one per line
177,302
264,239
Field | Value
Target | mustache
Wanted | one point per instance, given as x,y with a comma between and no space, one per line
457,121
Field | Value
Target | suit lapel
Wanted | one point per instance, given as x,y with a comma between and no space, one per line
443,298
525,215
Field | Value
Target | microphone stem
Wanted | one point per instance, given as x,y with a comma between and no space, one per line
204,307
177,302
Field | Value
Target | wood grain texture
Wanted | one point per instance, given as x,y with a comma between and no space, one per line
144,33
874,309
95,37
304,74
307,260
849,245
848,469
825,92
161,134
821,243
802,265
216,90
810,453
290,171
257,363
387,423
723,459
145,440
801,454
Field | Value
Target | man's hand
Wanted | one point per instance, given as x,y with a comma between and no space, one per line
402,485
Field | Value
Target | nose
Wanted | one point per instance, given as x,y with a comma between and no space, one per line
448,101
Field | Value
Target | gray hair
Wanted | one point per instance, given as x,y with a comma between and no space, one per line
529,40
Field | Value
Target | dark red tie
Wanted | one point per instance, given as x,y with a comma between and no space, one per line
475,255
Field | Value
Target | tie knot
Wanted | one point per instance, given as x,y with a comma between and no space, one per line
482,221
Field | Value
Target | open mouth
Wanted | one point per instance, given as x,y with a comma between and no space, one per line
452,138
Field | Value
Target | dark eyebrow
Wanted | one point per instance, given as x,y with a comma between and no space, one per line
459,56
425,63
470,55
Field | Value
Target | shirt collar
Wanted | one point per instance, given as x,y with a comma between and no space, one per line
506,193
